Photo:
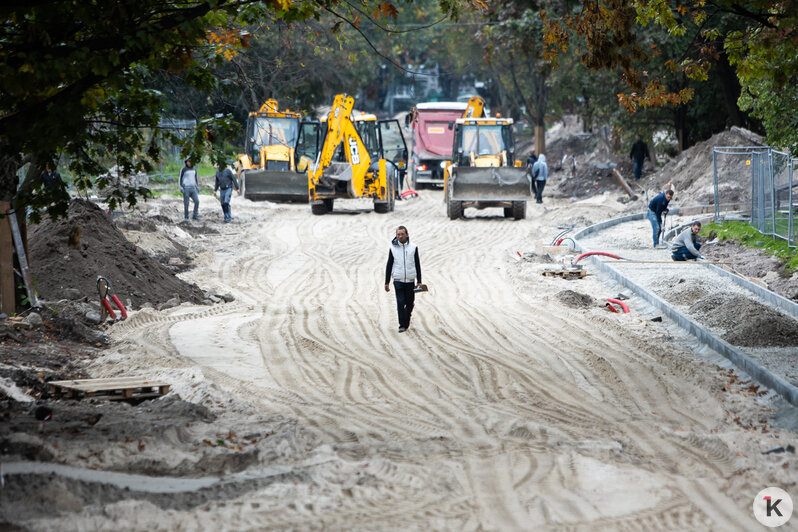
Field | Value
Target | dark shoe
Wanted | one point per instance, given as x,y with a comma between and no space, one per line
195,218
402,329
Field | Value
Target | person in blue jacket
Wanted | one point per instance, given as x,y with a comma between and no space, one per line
656,208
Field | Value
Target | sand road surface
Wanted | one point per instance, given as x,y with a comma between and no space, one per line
500,409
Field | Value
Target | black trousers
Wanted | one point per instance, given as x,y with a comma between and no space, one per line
405,299
539,185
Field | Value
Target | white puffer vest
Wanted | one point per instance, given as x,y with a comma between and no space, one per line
404,261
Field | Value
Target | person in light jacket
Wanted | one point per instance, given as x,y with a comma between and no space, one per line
685,246
540,171
404,267
189,187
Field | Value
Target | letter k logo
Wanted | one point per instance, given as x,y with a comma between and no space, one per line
772,506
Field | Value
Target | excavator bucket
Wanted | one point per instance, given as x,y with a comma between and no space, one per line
503,183
275,185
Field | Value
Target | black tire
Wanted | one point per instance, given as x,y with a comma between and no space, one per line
382,207
519,210
508,212
328,204
318,208
454,209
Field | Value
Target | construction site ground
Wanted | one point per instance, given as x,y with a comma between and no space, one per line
515,401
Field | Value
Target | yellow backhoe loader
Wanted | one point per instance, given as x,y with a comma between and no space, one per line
484,172
267,170
348,158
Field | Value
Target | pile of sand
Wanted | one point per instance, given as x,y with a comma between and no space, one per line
692,172
747,323
64,271
575,299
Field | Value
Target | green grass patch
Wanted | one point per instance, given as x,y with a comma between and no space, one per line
745,234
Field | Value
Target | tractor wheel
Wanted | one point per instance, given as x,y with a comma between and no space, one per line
328,204
454,209
387,206
318,208
508,212
519,210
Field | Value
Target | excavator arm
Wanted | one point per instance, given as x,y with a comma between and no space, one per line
344,168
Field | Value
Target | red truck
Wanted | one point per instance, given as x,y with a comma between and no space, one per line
433,136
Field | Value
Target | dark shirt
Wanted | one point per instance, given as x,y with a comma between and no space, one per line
225,179
389,267
52,179
531,160
658,205
639,151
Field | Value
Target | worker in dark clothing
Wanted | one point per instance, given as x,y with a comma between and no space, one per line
54,187
530,163
638,155
51,178
225,181
656,208
404,267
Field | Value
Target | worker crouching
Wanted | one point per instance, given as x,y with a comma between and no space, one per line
685,246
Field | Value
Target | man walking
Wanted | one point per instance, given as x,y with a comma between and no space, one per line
685,246
225,181
189,186
638,155
540,171
656,208
530,162
405,268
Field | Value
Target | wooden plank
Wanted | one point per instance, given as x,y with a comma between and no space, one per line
90,384
623,183
7,297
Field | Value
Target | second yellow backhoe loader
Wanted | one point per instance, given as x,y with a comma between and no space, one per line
345,160
484,172
267,170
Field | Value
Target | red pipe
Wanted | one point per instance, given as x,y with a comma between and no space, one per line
120,306
409,192
589,253
609,306
104,302
623,305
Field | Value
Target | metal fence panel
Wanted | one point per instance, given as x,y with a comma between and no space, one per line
773,202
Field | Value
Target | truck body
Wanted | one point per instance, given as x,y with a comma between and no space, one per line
266,169
483,172
433,133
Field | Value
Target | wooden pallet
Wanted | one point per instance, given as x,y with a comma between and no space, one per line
118,389
565,274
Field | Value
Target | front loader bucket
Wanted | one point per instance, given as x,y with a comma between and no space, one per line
275,185
505,183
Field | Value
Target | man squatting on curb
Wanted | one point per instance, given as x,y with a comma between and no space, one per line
404,266
225,181
685,246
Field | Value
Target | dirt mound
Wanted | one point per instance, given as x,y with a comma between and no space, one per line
747,323
692,172
575,299
61,270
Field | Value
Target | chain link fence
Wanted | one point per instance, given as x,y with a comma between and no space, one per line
772,195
